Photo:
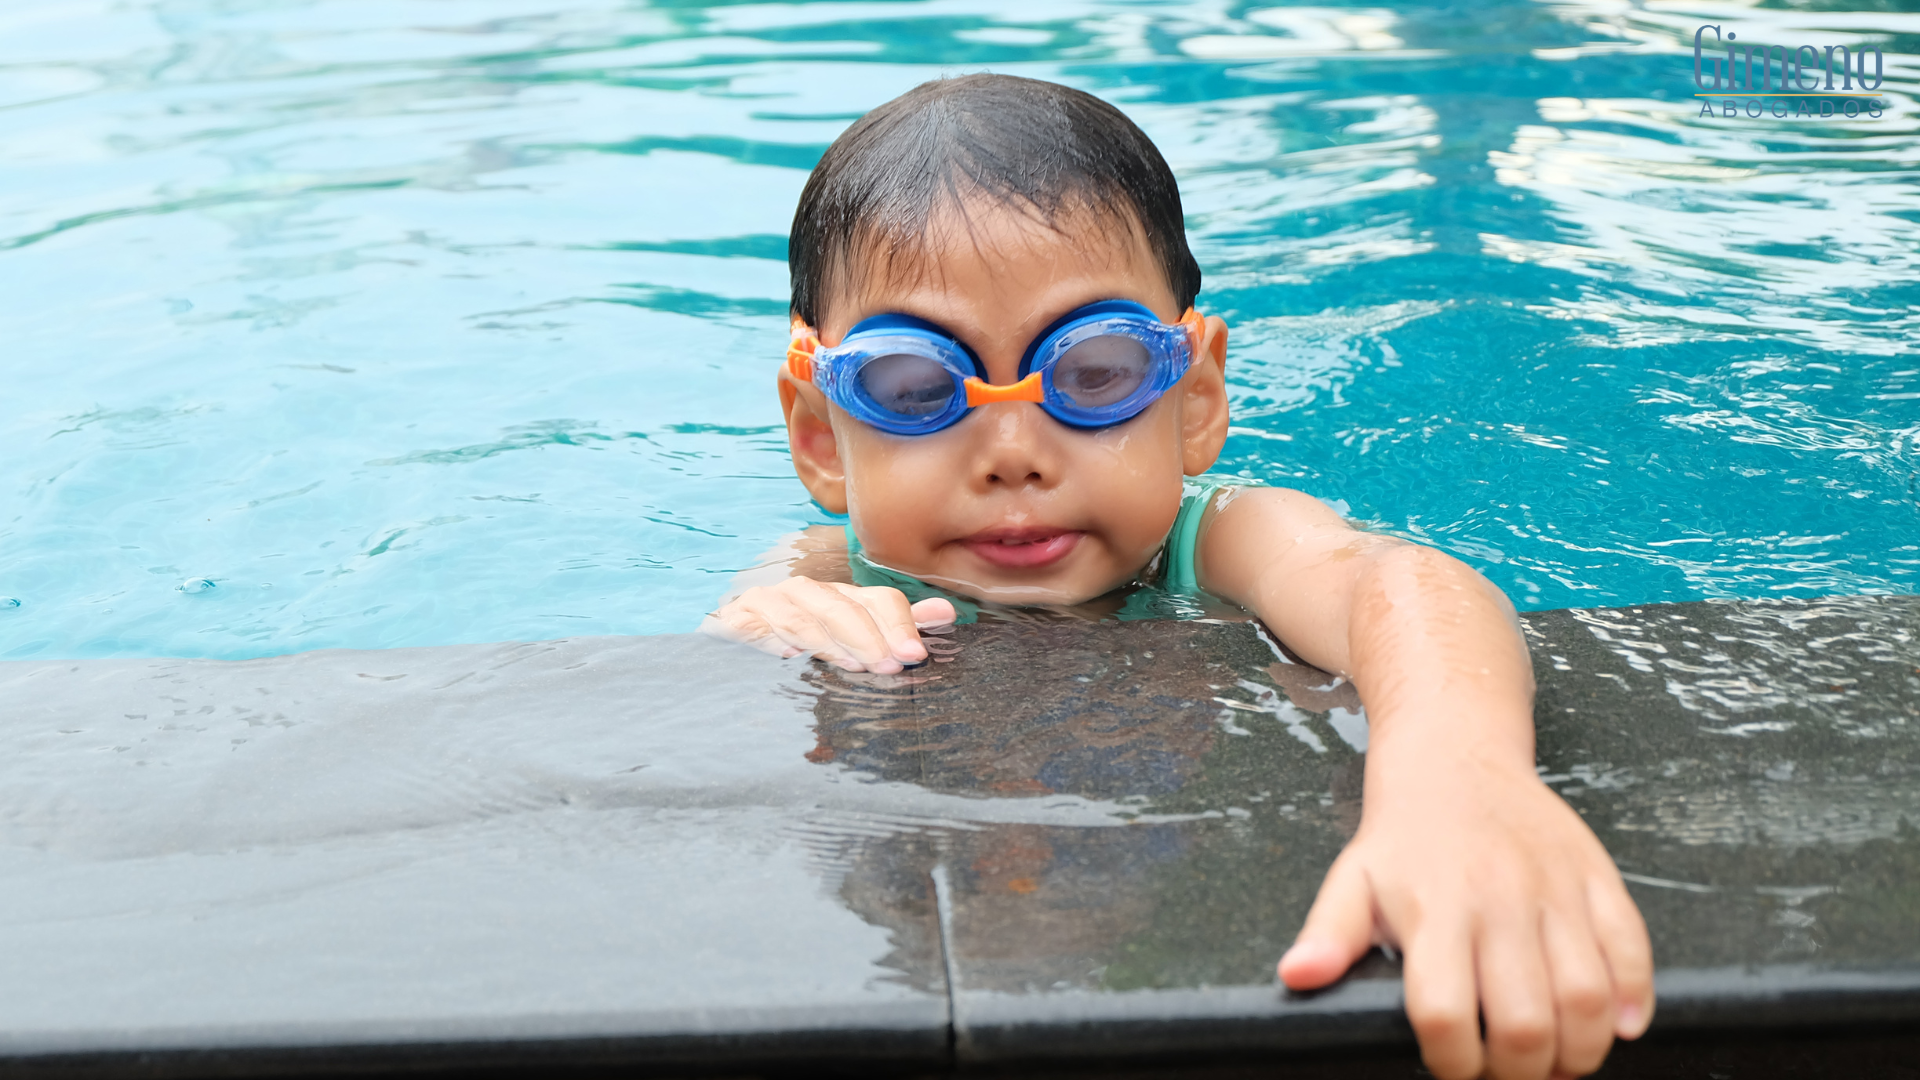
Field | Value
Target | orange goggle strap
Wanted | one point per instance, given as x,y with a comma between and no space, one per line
800,350
1196,327
804,341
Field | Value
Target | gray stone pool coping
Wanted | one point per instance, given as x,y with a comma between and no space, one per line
1060,843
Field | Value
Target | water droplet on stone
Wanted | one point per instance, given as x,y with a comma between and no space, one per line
195,585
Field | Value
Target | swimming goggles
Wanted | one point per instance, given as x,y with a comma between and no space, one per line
1096,366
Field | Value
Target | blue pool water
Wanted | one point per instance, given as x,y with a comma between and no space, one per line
391,323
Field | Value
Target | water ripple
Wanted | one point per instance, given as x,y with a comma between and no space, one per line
291,285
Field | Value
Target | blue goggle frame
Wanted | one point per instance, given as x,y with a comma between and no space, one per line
837,371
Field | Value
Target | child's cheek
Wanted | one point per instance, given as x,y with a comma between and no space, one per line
1151,518
896,489
1140,479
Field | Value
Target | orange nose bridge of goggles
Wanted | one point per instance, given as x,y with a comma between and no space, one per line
985,393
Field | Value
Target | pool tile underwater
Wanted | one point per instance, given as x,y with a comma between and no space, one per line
1059,842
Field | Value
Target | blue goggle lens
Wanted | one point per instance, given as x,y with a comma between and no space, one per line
907,385
1102,372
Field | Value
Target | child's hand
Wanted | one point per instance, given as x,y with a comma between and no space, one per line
1505,906
858,629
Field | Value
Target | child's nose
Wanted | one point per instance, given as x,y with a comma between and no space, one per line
1018,450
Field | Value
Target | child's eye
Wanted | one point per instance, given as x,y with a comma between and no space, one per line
907,385
1102,371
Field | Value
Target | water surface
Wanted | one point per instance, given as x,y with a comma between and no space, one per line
382,324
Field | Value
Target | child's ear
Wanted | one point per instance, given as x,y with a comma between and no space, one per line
1203,406
816,453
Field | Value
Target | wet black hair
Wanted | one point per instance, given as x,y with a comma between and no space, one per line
1045,149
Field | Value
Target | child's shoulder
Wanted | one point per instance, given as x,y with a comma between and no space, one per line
1247,529
1222,514
1252,498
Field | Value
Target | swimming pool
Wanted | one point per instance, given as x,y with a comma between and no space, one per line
379,324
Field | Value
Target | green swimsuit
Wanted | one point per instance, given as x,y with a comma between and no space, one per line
1174,563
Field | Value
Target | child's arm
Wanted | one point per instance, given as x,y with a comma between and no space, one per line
1503,903
800,600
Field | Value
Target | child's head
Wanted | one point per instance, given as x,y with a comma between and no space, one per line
991,207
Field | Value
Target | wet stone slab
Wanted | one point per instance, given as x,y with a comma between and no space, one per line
597,849
1059,842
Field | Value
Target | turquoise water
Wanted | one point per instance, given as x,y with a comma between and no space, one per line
377,324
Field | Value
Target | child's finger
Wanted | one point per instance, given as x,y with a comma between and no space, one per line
934,611
746,628
811,617
1443,1003
893,618
1582,989
1622,935
743,620
792,623
1516,996
1338,931
736,624
855,639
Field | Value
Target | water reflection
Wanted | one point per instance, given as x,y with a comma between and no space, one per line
1753,790
1221,820
1087,733
1228,783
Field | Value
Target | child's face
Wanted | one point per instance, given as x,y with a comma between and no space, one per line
1009,504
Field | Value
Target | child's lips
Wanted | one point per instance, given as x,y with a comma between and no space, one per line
1023,549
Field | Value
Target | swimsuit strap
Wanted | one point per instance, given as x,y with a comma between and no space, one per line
1183,540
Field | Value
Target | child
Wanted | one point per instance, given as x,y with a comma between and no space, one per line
998,376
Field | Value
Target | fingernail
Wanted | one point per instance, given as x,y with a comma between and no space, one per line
1631,1022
